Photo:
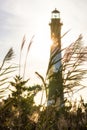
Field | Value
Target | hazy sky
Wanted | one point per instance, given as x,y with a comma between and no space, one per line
31,17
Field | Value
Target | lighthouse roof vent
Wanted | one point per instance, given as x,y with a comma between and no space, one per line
55,11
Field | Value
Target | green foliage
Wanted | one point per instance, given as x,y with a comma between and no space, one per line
17,109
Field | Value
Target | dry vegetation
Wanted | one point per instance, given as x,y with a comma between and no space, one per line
19,112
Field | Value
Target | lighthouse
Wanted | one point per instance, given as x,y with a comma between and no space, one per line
55,27
55,73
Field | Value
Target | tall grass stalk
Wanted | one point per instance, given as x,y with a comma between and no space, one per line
44,85
28,49
22,45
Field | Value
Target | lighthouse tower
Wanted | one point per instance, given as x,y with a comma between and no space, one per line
55,81
55,27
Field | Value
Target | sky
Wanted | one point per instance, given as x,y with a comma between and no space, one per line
32,17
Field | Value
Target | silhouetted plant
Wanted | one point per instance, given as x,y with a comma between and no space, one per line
28,49
5,72
72,69
73,65
18,111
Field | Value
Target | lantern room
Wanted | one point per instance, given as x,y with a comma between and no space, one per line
55,14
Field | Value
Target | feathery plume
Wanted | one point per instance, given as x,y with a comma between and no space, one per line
23,41
7,57
30,43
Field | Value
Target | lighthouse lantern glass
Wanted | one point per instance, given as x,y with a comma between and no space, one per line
55,15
